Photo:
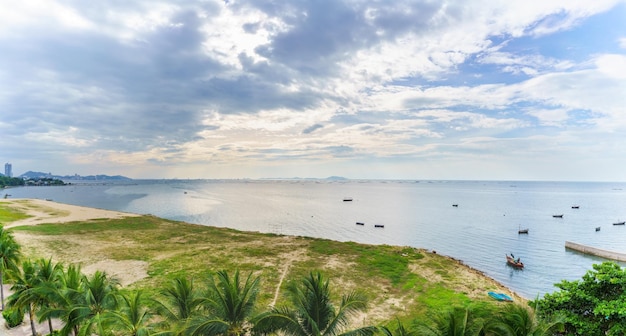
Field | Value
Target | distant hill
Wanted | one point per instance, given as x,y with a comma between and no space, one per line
35,175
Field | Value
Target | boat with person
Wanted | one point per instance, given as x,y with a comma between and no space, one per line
511,261
522,231
597,228
500,296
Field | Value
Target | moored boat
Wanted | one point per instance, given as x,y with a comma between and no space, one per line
511,261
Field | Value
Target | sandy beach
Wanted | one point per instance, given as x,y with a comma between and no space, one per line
44,211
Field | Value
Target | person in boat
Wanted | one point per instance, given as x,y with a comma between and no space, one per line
512,256
517,261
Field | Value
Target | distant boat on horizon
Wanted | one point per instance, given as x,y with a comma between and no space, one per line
575,207
558,216
347,199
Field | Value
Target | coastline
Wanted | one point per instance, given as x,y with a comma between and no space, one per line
132,271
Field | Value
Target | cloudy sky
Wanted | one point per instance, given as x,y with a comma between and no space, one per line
452,89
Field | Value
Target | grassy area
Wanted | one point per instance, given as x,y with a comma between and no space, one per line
9,214
400,281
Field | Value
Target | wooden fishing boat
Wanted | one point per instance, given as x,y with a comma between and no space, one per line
500,296
515,263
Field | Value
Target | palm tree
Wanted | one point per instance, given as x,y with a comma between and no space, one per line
517,320
312,313
9,257
228,305
401,330
24,295
178,302
69,294
98,297
458,321
46,284
132,317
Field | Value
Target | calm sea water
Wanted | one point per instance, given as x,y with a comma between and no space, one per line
479,231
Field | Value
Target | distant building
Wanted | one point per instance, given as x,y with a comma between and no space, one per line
8,170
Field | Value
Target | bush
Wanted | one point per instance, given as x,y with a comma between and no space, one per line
13,317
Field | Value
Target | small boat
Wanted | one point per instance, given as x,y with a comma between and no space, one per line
360,223
522,231
379,225
619,223
515,263
347,199
500,296
597,229
455,205
558,216
575,207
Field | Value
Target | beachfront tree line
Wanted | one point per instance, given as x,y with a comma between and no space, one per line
225,304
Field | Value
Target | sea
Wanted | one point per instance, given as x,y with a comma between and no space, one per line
476,222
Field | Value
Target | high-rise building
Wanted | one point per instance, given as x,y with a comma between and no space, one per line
8,170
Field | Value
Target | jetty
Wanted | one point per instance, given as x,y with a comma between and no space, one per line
596,251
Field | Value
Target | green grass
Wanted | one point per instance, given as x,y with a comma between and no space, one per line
385,273
8,214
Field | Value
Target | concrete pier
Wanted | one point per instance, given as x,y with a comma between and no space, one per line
596,251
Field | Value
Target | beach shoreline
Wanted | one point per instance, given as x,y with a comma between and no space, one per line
46,211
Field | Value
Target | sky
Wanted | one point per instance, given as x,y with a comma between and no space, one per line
464,90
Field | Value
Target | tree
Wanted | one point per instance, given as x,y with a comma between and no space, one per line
457,321
9,257
98,297
132,317
45,285
24,295
312,313
178,302
594,306
400,330
228,304
517,320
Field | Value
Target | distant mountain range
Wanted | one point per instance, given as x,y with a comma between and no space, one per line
35,175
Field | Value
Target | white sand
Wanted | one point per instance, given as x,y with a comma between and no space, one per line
43,211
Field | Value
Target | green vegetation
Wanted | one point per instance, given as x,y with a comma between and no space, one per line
6,181
288,287
594,306
8,214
